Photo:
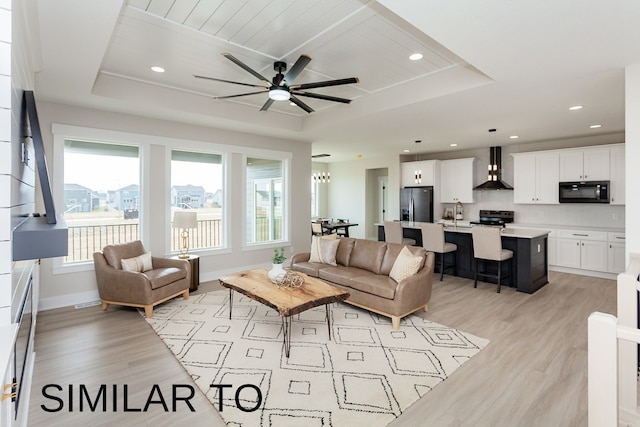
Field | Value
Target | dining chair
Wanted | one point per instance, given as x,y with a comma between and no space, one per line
393,234
433,241
487,246
342,231
317,229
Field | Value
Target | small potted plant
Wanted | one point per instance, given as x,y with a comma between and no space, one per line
277,260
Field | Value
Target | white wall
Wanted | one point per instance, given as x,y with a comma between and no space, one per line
348,196
71,288
632,154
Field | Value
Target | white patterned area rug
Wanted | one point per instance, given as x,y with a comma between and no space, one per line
366,375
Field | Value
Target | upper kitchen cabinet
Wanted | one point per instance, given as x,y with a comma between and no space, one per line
456,180
616,186
535,177
418,174
589,164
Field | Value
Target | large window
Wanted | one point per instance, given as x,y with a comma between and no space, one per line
196,185
265,200
101,196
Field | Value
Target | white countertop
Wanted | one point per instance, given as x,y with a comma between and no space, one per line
465,227
568,227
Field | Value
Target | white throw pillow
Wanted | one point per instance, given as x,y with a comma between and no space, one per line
140,263
405,265
323,249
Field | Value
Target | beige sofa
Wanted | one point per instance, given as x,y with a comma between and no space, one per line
363,268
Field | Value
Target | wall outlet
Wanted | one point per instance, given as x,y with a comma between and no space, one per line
615,216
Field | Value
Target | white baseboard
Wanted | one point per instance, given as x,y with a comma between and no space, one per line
599,274
67,300
89,296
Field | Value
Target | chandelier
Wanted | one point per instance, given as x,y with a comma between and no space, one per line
321,177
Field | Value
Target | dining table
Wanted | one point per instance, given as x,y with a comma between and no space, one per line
334,227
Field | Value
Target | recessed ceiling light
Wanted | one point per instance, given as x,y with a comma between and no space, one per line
415,56
405,150
292,103
453,145
576,107
595,126
157,69
514,137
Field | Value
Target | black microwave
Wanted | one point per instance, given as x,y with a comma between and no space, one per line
584,192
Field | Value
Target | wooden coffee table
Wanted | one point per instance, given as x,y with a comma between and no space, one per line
256,285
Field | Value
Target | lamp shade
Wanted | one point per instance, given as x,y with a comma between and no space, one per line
184,219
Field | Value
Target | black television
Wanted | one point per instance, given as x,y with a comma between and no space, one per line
39,235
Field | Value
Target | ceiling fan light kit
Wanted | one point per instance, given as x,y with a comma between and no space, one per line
279,94
280,88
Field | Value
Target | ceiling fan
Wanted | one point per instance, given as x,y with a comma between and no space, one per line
280,88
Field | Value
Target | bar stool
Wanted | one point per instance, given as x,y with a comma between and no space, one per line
487,246
393,234
433,241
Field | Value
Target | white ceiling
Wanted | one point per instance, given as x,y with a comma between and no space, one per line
514,66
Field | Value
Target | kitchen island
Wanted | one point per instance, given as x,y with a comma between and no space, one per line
529,246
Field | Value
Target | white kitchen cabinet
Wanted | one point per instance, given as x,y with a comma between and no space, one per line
568,252
593,255
616,257
586,250
456,180
585,165
421,173
535,178
617,170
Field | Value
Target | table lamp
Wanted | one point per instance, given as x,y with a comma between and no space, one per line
185,220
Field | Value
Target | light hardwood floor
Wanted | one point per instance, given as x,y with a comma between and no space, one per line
533,372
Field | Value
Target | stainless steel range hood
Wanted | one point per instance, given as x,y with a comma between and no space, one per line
494,177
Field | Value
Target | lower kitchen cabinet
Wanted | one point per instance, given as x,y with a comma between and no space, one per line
617,258
586,250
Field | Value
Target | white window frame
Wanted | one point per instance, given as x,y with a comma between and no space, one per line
61,133
285,158
197,147
230,153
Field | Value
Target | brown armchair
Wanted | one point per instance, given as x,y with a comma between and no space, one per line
167,279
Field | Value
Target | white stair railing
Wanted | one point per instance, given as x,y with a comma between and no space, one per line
627,293
603,398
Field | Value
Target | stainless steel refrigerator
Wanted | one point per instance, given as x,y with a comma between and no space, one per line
416,204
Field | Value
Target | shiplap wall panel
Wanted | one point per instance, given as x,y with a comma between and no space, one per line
5,58
5,163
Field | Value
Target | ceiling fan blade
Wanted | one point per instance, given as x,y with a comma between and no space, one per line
225,81
297,68
301,104
326,83
245,67
267,104
320,96
241,94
